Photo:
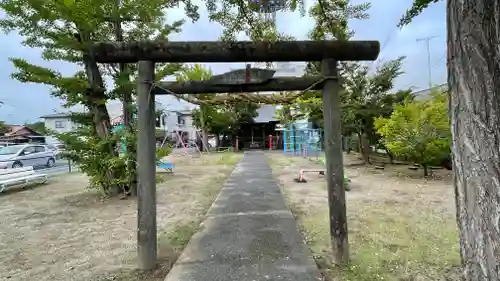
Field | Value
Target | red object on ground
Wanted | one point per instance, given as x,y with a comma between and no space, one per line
270,142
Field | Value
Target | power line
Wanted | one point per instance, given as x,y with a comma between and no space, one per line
5,103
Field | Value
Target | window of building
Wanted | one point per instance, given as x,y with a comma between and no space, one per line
181,120
158,122
59,124
164,120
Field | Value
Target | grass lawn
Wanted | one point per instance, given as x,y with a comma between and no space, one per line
62,231
401,226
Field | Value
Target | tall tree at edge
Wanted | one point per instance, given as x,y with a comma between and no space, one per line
473,34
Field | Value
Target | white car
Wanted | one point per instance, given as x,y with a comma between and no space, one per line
22,155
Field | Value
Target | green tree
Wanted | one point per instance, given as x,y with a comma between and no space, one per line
472,39
226,120
3,128
222,119
416,9
217,121
204,113
246,17
365,95
63,30
38,127
418,130
330,22
384,107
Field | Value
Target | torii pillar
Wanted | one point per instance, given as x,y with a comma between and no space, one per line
146,53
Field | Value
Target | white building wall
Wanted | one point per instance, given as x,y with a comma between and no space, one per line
169,121
186,124
60,124
189,126
115,111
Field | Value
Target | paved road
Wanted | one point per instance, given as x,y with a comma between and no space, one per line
61,167
249,234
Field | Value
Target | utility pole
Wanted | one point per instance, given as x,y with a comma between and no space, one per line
427,41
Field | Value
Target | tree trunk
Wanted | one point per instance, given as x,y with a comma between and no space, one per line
391,157
96,97
204,131
204,139
217,142
127,112
234,140
363,148
426,170
474,81
359,143
389,154
103,128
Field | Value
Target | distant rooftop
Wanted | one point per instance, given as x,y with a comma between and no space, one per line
56,115
423,94
181,111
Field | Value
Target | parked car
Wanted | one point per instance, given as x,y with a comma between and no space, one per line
2,143
57,148
23,155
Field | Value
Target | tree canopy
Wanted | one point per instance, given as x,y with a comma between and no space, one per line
223,119
62,30
418,130
38,127
3,128
416,9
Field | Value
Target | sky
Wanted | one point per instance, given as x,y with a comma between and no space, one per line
27,102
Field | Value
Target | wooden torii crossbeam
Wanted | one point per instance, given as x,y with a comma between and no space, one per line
147,53
208,87
243,82
239,51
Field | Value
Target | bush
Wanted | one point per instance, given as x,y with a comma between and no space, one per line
419,131
107,172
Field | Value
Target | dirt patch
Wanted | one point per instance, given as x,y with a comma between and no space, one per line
401,225
63,231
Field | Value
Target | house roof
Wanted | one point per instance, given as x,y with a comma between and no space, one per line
181,111
16,131
56,115
425,93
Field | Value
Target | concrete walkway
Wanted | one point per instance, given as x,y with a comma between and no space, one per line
249,234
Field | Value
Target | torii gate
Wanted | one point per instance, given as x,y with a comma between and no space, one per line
147,53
